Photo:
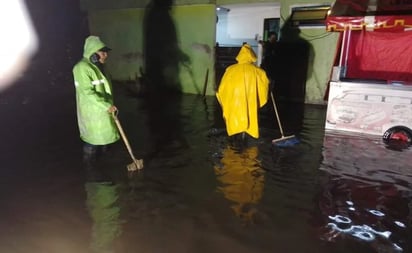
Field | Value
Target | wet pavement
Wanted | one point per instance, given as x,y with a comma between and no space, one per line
199,191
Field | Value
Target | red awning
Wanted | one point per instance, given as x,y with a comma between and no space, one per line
388,15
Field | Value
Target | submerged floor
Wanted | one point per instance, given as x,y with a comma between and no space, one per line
199,191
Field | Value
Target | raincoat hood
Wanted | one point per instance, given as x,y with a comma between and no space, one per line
92,44
246,55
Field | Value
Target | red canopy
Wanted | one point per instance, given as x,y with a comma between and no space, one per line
388,15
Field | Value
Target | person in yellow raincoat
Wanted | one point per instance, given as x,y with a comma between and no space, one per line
242,91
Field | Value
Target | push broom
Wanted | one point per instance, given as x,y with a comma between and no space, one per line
283,141
137,164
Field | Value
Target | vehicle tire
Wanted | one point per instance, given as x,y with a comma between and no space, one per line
398,134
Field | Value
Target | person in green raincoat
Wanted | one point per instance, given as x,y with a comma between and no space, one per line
242,91
94,100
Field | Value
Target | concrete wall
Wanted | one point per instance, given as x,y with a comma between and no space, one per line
322,53
122,30
196,30
124,4
90,5
119,24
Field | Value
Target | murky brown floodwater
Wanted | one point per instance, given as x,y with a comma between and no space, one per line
199,191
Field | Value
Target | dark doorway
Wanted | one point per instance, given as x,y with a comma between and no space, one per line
270,25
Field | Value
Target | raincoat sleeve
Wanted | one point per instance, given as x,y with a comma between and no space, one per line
87,83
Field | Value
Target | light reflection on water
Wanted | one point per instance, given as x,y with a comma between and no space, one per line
368,193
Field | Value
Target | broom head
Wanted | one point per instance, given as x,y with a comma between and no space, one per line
285,141
137,164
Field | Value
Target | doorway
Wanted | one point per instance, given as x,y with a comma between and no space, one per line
239,23
270,25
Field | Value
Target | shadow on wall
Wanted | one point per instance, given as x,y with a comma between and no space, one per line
294,63
162,91
162,53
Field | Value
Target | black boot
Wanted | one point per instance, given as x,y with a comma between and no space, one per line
89,156
101,151
93,172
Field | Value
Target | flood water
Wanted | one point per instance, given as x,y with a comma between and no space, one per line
199,191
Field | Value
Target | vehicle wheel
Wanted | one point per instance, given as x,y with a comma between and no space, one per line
399,134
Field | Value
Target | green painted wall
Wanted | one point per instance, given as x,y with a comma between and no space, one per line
122,30
196,28
125,4
320,63
323,50
195,24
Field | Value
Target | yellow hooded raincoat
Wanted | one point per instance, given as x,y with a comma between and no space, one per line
242,91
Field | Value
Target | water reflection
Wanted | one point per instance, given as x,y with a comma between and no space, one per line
202,197
101,203
164,123
366,159
241,180
367,194
377,215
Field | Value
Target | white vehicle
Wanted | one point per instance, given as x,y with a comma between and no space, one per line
371,111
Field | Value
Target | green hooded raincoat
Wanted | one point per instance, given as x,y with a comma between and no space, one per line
93,97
